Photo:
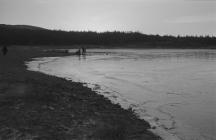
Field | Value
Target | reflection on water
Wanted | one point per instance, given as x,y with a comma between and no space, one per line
172,89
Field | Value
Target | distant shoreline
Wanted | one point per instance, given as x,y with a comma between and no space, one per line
132,46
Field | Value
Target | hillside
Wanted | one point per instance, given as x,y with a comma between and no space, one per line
21,27
31,35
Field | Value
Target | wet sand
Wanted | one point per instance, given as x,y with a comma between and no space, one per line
38,106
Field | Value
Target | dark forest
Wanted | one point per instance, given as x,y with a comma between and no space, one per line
30,35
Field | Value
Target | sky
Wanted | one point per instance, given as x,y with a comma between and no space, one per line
164,17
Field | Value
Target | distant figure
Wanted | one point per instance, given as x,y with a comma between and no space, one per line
83,50
4,50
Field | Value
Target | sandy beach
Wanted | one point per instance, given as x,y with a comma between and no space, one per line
38,106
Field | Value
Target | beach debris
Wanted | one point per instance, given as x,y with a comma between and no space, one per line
51,108
57,51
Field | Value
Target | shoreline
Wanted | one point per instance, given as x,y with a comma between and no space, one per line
39,106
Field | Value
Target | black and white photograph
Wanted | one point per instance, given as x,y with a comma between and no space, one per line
107,69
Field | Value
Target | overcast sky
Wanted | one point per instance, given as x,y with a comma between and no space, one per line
191,17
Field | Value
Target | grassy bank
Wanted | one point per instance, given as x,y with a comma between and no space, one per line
42,107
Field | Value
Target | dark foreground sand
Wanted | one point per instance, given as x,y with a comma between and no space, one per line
41,107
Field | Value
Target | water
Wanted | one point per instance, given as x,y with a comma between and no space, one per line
172,89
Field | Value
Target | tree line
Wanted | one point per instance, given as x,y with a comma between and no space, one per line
12,35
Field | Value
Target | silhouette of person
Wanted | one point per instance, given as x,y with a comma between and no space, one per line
4,50
84,50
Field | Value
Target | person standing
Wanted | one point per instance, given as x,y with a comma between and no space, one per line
84,50
4,50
